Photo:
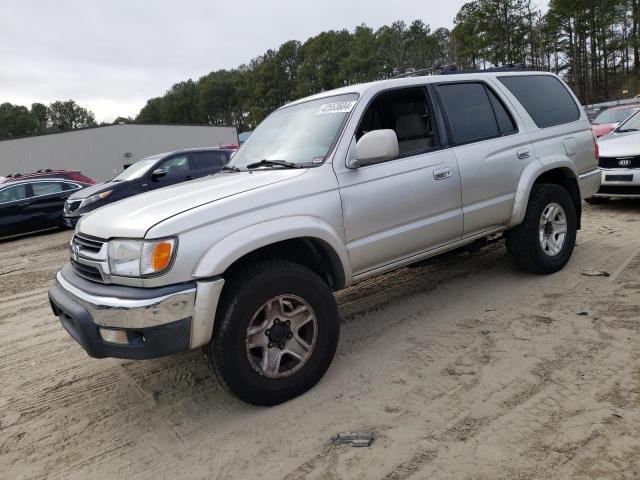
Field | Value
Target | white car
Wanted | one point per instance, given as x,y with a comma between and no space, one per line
620,162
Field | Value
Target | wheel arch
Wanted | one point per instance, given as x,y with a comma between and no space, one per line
305,240
558,170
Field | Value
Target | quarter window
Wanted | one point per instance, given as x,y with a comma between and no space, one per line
544,97
469,111
14,193
505,123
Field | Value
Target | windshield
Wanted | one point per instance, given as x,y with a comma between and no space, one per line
302,134
614,115
633,123
137,170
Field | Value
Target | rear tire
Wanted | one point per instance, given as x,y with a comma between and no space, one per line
276,332
544,241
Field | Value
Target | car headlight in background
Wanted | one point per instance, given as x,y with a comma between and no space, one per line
96,197
139,258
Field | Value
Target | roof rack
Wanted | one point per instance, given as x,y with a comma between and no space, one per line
452,69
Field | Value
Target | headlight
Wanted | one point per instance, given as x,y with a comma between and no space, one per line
96,197
138,258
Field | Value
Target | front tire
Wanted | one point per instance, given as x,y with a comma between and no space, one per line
276,332
544,241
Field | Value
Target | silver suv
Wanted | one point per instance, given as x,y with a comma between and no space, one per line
328,191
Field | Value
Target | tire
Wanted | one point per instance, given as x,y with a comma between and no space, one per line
251,297
524,242
596,200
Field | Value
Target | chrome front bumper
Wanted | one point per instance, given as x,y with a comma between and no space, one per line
169,319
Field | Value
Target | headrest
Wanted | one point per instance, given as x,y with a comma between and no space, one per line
411,126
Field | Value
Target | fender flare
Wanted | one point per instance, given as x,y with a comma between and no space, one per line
221,255
529,176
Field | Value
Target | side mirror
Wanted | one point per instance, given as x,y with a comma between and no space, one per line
158,173
375,147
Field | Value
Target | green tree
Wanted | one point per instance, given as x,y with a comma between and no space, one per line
68,115
16,120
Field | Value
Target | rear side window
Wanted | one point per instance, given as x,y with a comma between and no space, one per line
46,188
545,97
207,160
469,112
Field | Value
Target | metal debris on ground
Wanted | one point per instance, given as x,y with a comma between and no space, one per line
582,312
592,272
355,439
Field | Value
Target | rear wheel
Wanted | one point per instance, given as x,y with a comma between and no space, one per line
276,332
544,241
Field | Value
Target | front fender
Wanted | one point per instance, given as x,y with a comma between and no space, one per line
529,176
221,255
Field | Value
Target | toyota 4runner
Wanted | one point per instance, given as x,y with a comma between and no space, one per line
328,191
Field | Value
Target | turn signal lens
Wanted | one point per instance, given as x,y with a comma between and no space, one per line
156,255
161,256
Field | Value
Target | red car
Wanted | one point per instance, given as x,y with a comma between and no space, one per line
49,173
611,118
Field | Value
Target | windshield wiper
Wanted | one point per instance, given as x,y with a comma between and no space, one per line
273,163
625,130
230,168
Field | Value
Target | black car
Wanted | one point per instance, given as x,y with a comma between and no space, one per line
147,174
34,204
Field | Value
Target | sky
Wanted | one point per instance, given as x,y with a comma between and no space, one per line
110,56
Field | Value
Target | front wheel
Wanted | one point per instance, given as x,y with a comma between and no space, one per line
544,241
276,332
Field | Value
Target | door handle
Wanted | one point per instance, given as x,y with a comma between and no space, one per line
524,154
441,173
24,204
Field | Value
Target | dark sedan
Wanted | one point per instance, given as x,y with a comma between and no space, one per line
34,204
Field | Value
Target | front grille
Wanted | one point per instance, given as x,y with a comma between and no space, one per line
619,190
85,242
86,250
612,162
70,207
86,271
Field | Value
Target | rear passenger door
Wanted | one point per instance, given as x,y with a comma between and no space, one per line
206,162
492,150
48,201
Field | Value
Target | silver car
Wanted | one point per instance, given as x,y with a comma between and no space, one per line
328,191
620,162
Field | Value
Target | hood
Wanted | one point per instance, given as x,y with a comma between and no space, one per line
620,145
134,216
87,192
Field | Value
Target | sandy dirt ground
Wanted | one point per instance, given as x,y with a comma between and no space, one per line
463,369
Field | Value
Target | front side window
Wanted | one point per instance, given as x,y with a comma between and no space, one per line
175,166
406,112
46,188
13,193
546,99
469,110
302,134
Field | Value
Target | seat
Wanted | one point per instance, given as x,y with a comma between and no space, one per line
413,133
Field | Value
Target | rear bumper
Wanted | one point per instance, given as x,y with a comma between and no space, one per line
156,321
619,182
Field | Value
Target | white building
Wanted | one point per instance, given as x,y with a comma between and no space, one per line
102,152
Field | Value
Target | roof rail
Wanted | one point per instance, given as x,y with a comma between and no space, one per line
452,69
